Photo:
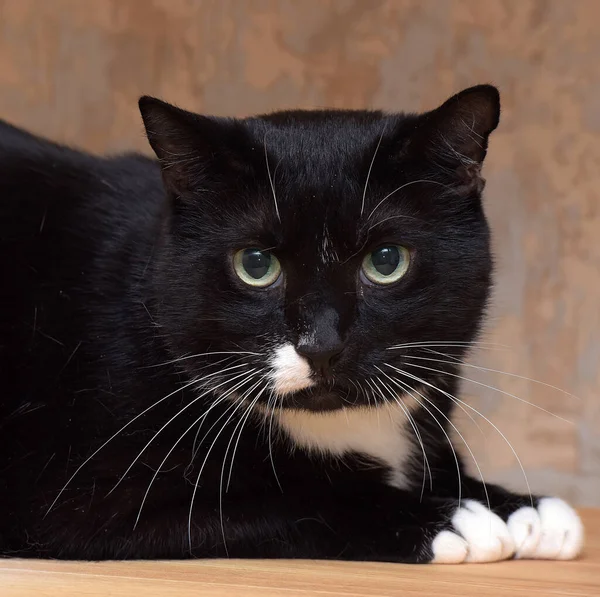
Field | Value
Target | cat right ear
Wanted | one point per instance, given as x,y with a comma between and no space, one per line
190,147
455,135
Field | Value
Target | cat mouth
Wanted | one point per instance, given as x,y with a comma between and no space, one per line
320,398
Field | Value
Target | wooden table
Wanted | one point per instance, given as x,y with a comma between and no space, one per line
260,578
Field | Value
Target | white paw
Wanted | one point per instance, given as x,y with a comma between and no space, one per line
481,536
553,531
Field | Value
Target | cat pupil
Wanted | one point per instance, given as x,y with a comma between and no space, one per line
386,260
256,263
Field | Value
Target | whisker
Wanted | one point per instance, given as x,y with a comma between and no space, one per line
239,424
362,206
203,354
458,400
271,179
191,383
180,412
485,345
215,423
411,420
459,406
355,386
398,382
195,442
406,184
201,418
463,364
159,468
235,410
371,384
403,217
269,435
365,394
491,388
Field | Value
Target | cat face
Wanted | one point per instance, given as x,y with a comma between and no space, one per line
315,259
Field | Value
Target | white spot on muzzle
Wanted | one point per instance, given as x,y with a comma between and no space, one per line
290,371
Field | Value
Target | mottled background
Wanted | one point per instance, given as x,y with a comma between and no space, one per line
73,70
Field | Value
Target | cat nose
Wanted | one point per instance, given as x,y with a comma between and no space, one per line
320,357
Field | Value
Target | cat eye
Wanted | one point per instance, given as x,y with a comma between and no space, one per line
386,264
256,267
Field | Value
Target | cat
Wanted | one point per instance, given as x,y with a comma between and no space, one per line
248,348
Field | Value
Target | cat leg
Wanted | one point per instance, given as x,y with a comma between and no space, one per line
386,524
355,523
360,522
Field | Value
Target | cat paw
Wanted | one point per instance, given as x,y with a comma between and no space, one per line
551,531
477,535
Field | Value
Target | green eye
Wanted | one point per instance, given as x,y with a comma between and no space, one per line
257,268
386,264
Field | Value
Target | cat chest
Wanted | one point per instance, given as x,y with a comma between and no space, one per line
380,434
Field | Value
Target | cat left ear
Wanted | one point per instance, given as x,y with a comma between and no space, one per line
189,146
455,135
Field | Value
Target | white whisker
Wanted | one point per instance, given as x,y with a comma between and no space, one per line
239,424
490,388
410,391
362,206
406,184
270,435
195,442
215,423
271,180
402,217
515,375
181,411
220,400
237,407
204,354
458,400
191,383
485,345
413,424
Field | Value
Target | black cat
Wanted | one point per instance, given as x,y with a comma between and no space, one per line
249,348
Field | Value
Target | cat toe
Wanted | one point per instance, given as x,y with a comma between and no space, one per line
449,548
477,533
552,531
525,527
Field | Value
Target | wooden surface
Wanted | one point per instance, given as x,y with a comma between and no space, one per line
260,578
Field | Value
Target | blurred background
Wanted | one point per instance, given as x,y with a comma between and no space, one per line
73,71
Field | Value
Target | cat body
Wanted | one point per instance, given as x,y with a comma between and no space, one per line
235,350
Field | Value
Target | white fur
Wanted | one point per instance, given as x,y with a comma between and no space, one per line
379,433
552,531
480,536
290,371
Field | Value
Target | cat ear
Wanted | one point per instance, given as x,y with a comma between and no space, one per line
190,147
455,135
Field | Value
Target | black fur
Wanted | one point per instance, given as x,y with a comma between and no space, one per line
110,277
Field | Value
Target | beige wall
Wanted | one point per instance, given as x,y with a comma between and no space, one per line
73,70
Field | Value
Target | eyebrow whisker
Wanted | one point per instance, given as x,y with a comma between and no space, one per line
362,207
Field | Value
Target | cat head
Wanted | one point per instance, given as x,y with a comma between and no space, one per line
316,258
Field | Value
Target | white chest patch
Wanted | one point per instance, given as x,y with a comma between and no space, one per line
379,433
